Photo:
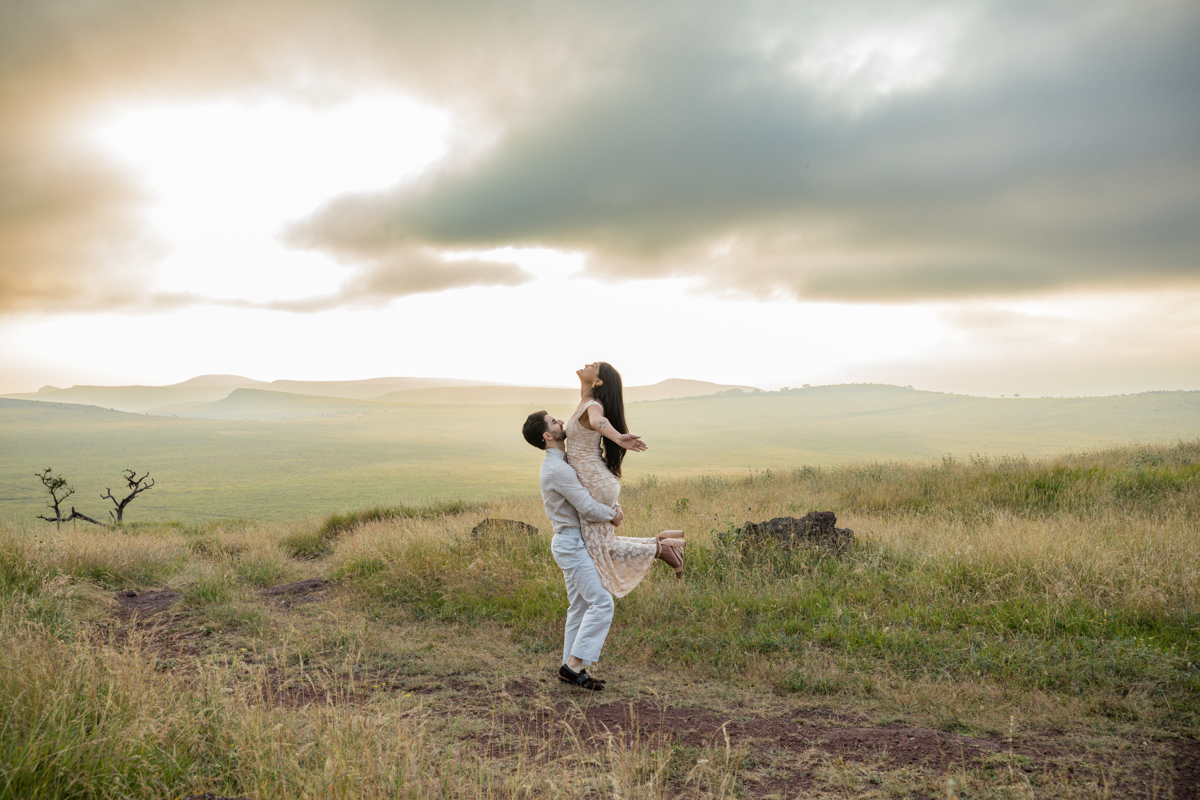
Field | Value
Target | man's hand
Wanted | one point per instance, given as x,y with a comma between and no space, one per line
616,521
630,442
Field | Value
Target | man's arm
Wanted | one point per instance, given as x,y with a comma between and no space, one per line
566,483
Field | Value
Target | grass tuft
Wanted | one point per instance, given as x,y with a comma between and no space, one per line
318,543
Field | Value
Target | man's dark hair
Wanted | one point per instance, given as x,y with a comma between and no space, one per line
535,426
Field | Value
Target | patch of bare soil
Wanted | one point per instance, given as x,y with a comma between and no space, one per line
290,594
1186,754
131,604
778,739
319,690
152,614
794,745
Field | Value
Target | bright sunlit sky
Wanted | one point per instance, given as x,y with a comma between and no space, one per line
977,197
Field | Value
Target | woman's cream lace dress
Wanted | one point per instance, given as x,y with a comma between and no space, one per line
622,561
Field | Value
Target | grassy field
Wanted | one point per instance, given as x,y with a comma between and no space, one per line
1002,627
332,455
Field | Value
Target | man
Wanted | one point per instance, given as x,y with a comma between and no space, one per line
590,613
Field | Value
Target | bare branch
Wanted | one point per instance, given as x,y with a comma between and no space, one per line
132,482
76,515
56,485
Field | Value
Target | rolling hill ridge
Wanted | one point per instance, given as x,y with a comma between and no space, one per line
191,397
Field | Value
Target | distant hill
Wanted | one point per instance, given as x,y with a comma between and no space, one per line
32,409
131,398
855,422
368,389
209,388
262,405
549,396
219,380
186,398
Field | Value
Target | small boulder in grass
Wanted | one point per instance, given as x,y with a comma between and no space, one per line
817,528
492,527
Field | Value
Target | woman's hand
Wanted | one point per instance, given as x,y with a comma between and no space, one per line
630,442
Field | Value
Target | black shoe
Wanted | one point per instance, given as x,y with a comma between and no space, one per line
583,671
581,678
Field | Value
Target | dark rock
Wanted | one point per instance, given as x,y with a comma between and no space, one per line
814,528
491,527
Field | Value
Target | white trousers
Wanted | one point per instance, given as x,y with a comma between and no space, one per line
590,613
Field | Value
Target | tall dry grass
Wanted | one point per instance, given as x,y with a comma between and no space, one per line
977,589
94,719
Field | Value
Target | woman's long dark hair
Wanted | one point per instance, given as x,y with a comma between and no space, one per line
611,396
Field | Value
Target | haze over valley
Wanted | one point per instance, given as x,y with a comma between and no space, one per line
198,396
225,446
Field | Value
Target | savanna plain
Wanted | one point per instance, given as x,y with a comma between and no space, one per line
278,456
1003,626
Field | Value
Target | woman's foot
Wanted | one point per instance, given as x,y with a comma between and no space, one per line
670,550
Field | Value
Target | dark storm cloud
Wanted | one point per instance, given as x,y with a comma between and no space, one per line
1052,146
1058,149
402,273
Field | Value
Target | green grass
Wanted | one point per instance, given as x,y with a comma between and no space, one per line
983,596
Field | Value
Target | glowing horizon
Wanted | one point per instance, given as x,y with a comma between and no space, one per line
767,196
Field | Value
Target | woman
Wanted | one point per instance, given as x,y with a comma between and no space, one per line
622,561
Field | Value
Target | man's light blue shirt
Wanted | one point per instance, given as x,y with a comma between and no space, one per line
564,496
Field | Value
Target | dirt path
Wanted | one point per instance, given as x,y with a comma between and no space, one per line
785,755
794,747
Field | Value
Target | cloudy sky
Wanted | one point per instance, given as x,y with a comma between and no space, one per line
979,197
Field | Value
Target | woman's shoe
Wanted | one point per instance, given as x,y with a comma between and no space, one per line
670,550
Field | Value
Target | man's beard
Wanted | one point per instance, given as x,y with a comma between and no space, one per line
559,436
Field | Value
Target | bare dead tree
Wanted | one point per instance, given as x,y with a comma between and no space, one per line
56,485
133,483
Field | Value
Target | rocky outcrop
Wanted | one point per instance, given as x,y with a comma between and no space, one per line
816,528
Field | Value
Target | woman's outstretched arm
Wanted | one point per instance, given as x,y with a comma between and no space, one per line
596,420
